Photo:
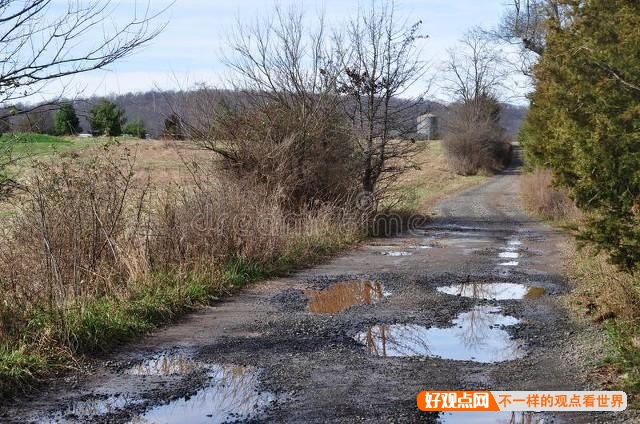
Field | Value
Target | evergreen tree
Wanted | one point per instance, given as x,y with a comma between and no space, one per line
66,121
136,128
584,123
107,118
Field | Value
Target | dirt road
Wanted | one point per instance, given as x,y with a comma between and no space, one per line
469,301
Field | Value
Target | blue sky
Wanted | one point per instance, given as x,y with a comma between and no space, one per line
189,50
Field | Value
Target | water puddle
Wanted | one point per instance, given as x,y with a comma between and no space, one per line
232,394
83,410
396,253
465,241
509,255
489,418
341,296
166,364
475,336
487,291
510,263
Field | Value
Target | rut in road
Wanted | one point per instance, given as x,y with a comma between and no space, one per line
469,301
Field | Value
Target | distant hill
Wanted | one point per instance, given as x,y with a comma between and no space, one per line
153,107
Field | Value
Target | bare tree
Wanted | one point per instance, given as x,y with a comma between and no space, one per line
381,61
45,40
475,68
474,75
280,122
525,23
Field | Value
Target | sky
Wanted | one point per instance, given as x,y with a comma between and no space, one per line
191,47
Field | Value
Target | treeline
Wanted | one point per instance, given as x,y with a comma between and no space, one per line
155,110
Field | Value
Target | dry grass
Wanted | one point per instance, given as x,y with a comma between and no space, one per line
543,199
601,292
610,298
94,254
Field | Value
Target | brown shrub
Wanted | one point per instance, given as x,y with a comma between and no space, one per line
474,140
542,198
221,217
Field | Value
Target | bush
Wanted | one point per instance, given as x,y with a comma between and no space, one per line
474,140
300,163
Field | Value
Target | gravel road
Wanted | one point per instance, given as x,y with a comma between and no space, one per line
468,301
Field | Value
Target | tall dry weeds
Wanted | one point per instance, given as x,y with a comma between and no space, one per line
89,231
542,198
76,235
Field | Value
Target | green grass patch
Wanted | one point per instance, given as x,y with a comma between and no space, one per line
25,145
624,355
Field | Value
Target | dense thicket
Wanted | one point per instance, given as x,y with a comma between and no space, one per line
584,122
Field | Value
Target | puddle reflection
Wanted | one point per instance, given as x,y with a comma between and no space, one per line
475,336
487,291
82,410
231,394
342,296
489,418
164,365
397,253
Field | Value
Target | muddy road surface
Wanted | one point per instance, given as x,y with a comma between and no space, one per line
468,301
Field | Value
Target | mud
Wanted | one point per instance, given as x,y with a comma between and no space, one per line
343,295
302,366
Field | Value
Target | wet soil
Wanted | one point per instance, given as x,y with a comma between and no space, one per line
306,348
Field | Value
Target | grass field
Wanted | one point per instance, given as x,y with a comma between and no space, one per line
24,145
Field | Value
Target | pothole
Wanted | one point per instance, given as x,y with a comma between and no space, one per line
165,364
475,336
489,418
535,293
232,394
396,253
342,296
487,291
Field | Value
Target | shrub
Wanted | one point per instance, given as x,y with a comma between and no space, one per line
136,128
474,140
299,162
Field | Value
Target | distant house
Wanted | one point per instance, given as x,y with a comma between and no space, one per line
427,126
